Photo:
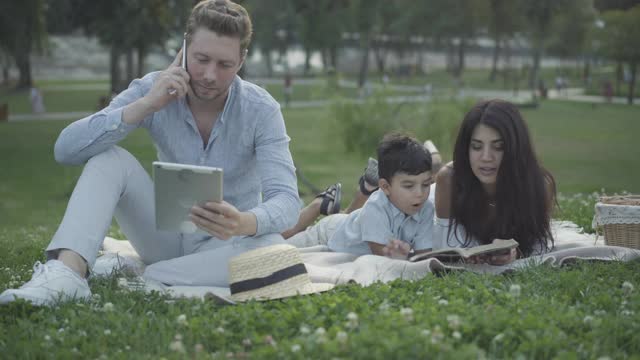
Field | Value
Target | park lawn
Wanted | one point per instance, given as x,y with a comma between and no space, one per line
55,100
588,310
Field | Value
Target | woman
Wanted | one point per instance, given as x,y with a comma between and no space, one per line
495,187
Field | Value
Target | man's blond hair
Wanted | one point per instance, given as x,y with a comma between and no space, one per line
223,17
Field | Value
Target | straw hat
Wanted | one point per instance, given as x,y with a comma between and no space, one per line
271,272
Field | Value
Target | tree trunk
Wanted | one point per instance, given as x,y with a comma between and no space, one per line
142,55
494,63
364,63
307,60
618,77
632,83
450,66
333,57
24,67
114,68
5,74
266,53
533,76
380,55
461,51
129,58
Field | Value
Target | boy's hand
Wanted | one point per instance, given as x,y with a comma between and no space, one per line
396,249
223,220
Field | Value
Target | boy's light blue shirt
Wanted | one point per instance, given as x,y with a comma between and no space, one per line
249,141
379,221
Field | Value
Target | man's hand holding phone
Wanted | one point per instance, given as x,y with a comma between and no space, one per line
171,84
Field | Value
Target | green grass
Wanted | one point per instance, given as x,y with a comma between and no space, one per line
54,100
582,311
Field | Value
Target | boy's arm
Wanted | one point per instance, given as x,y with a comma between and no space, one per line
395,249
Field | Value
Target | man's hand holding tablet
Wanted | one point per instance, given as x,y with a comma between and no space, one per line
223,220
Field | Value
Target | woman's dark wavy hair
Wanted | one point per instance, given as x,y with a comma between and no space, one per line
521,200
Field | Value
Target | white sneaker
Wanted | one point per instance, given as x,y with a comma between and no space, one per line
49,283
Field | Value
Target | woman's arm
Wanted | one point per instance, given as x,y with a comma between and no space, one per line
443,191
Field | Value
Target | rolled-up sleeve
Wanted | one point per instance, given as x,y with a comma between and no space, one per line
280,208
94,134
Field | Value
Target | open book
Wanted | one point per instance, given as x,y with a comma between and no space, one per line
498,246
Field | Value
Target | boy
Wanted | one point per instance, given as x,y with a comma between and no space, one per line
397,218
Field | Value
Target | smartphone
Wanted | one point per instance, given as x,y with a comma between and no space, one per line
184,52
183,64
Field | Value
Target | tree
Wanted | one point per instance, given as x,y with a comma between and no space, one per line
22,29
504,22
273,27
621,42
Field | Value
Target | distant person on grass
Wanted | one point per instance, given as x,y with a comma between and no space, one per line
495,186
212,118
395,219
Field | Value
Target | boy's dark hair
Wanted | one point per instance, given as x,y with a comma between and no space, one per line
401,153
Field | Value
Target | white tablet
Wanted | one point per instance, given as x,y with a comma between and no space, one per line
178,187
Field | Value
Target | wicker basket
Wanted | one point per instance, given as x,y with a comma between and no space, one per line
619,217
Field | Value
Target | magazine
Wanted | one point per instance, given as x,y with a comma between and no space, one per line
459,254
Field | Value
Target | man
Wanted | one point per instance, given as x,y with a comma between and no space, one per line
204,115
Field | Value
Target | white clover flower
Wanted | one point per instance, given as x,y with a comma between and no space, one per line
320,331
454,321
628,313
419,293
627,287
246,342
177,337
342,337
407,313
295,348
600,312
61,330
269,340
47,338
82,333
182,320
425,332
107,307
436,335
515,290
95,297
304,330
384,307
456,335
107,332
498,337
177,346
587,319
443,302
352,322
220,329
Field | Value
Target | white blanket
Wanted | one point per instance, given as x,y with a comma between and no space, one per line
325,266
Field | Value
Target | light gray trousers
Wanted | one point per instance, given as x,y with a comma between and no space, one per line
113,183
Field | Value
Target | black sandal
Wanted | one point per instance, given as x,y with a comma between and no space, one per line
331,199
363,189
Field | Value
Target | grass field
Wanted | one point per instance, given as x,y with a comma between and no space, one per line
588,310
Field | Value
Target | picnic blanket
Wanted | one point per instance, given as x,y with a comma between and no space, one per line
325,266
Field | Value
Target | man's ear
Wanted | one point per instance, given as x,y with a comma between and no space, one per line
243,57
385,186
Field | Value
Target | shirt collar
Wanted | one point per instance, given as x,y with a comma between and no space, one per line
396,212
